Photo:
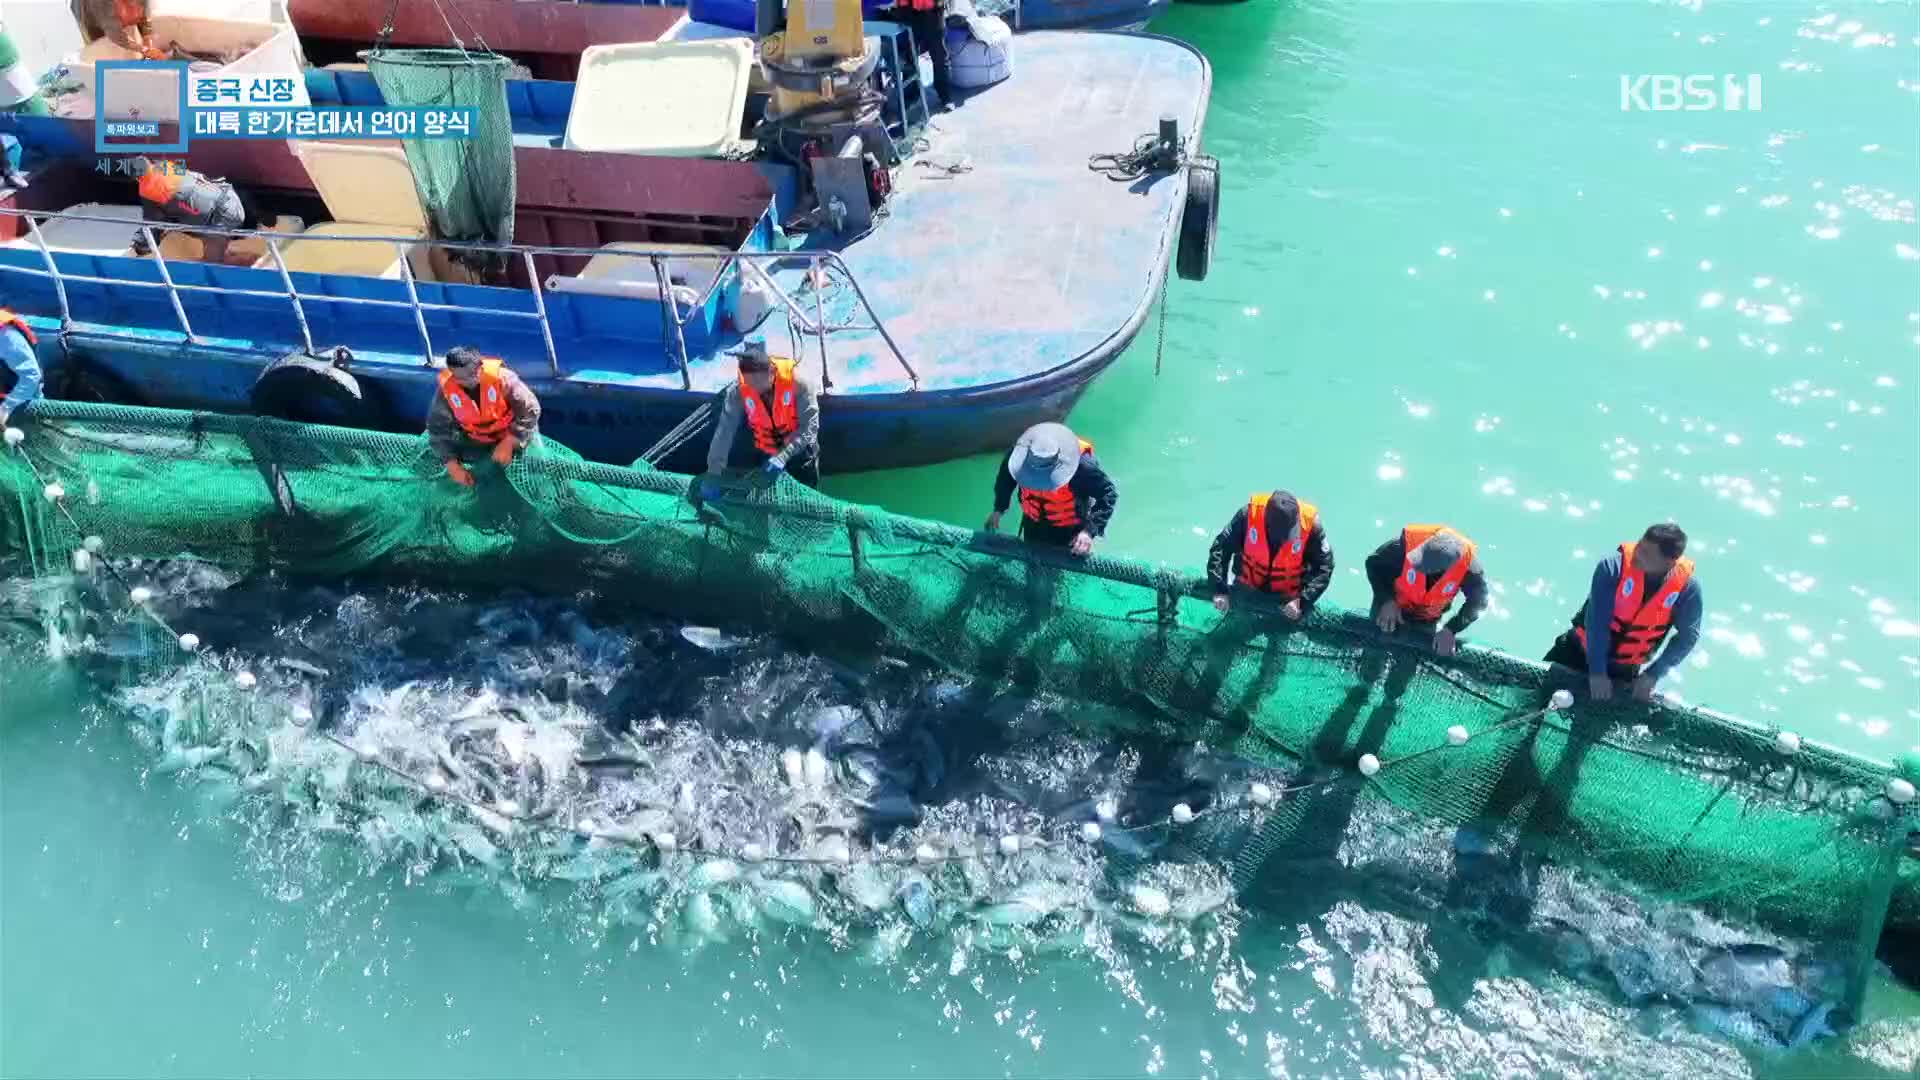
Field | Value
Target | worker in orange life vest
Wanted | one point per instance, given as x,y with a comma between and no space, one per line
781,414
480,408
19,364
1639,595
170,193
1274,545
124,22
1417,575
1066,498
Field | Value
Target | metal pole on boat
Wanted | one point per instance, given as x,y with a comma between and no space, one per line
814,278
53,271
173,294
877,324
540,305
672,310
413,297
299,311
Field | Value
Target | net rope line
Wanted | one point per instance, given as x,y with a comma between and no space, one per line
1259,797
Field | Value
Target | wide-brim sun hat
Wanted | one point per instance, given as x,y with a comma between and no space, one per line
1045,458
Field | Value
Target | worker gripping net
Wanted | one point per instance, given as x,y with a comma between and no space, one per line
1683,804
466,183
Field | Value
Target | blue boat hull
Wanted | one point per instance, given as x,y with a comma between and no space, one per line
601,420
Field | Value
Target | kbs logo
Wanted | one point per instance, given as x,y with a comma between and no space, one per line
1689,93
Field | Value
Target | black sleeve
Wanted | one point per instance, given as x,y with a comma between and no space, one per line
1003,486
1225,547
1383,566
1092,483
1473,600
1319,567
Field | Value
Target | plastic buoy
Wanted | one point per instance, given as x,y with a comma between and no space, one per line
365,753
1561,699
140,594
753,853
926,853
245,680
1900,790
1182,814
93,544
1787,743
815,766
1106,810
1369,765
436,782
1457,735
509,808
15,436
792,765
54,492
1090,832
189,642
82,561
1009,845
1261,794
666,841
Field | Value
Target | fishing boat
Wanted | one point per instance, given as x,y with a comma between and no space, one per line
999,276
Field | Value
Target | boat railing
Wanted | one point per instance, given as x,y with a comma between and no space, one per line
754,264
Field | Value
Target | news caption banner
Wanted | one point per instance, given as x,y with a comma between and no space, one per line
213,106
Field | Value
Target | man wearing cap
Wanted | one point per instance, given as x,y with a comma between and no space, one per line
170,193
779,409
482,407
1639,594
1066,498
1274,545
19,364
1415,578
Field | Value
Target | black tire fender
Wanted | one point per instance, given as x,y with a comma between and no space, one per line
1200,219
311,391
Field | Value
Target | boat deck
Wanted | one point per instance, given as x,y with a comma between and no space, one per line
1002,255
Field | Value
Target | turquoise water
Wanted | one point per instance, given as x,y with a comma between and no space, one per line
1455,283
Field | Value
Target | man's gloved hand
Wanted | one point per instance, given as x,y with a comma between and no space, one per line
709,491
774,467
503,450
460,474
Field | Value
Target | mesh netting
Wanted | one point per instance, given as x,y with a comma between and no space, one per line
467,184
1691,805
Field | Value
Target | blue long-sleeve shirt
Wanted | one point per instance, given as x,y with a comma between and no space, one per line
20,359
1688,610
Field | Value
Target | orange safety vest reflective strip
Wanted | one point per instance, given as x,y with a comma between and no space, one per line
1054,507
1640,622
1422,600
772,426
486,414
8,318
1275,572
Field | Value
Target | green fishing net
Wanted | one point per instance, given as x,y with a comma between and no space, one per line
1687,804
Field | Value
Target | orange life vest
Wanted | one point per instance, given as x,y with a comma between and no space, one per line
922,5
1277,572
160,183
1424,600
1640,622
8,318
486,419
1054,507
772,426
